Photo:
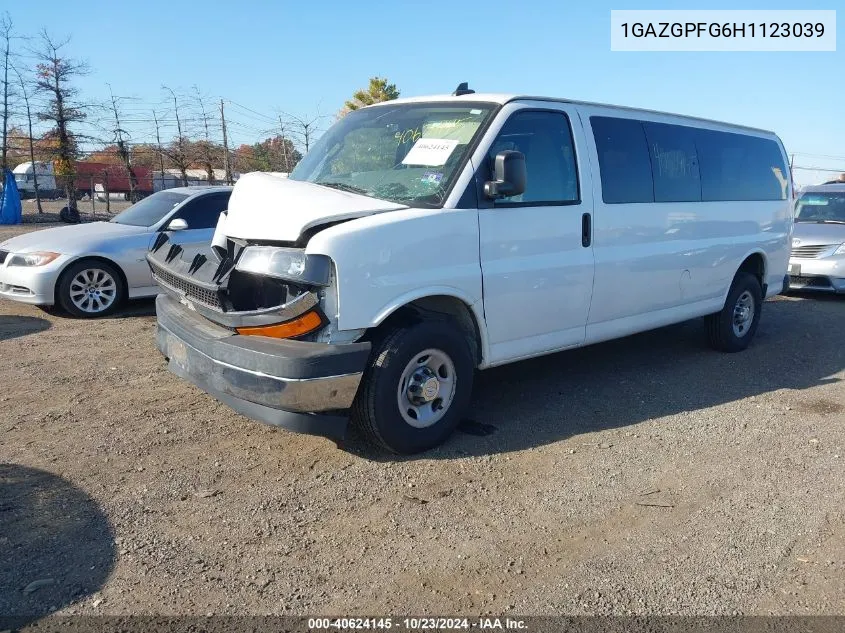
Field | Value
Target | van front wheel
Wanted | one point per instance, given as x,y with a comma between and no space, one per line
732,328
416,388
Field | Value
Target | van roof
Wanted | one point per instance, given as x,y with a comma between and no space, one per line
503,98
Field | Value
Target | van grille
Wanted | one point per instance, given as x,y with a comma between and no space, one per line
809,252
191,291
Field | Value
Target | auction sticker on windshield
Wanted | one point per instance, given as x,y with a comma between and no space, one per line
431,152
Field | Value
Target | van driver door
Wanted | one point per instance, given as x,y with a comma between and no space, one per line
536,248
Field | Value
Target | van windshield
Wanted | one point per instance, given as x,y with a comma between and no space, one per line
405,153
821,207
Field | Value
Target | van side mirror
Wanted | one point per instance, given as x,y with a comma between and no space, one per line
177,224
510,173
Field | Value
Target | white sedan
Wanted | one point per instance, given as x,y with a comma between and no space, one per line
90,269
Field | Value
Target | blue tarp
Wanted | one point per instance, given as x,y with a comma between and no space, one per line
10,201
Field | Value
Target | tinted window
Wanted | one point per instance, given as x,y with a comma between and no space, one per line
674,162
203,212
739,167
151,209
546,140
624,161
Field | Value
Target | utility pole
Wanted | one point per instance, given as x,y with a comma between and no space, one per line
7,33
227,167
285,144
160,153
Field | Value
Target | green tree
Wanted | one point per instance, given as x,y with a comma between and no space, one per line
272,154
378,90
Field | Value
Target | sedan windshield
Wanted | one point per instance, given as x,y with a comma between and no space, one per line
151,210
821,207
405,153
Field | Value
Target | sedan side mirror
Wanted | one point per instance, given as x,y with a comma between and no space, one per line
177,224
510,173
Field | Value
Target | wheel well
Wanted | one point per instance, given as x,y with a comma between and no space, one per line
440,307
756,265
92,258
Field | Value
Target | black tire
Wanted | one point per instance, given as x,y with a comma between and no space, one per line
376,410
63,289
721,333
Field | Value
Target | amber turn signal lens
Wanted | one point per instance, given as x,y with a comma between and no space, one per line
308,322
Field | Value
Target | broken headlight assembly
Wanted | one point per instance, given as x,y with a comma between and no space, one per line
290,264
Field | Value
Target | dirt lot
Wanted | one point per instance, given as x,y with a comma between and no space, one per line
648,475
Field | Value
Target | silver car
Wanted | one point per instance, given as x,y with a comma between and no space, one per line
817,262
90,269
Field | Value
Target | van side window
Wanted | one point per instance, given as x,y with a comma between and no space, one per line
740,167
674,162
546,140
624,161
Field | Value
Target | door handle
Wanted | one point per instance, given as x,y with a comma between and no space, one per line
586,230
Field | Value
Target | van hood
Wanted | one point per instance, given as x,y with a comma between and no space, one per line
268,207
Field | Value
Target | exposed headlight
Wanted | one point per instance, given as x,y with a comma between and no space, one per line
291,264
38,258
840,250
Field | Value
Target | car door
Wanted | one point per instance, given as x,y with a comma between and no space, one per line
536,248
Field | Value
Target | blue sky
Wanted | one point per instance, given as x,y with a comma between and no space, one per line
307,58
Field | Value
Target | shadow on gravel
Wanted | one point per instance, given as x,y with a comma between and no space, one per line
136,308
57,545
131,309
624,382
13,326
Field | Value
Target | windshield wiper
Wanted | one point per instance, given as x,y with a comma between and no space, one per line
823,221
342,186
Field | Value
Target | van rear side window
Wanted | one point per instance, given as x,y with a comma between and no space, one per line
740,167
641,161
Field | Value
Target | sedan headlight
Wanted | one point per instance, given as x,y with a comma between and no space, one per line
840,250
38,258
290,264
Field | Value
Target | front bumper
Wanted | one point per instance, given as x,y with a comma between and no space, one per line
30,284
825,274
302,386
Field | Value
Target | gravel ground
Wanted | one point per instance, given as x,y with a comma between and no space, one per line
648,475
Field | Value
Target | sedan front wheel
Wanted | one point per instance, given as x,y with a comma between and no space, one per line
90,288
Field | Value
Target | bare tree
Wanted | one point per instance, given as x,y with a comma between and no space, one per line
122,149
304,128
54,73
25,96
205,147
6,38
177,152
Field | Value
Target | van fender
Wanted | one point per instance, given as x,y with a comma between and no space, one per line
753,251
476,308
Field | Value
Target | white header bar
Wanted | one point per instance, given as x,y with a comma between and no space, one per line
708,30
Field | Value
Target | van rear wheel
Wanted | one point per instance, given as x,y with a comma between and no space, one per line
732,328
416,388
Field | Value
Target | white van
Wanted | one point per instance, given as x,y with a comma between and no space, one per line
422,239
